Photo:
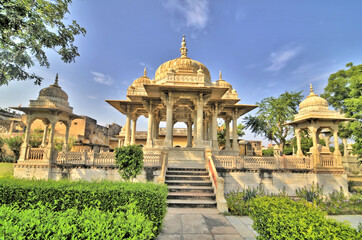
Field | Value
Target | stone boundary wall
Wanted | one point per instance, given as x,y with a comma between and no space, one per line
275,181
80,173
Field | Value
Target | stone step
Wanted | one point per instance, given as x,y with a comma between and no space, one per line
188,183
199,173
187,177
179,203
178,169
191,195
193,189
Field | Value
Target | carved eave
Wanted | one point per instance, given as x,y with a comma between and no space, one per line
50,110
241,109
155,90
310,117
135,107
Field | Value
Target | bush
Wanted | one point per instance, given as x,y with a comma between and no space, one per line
129,160
283,218
14,144
238,201
107,196
43,223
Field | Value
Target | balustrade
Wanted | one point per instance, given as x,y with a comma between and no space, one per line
36,154
258,162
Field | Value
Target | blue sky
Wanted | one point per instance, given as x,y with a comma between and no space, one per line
263,48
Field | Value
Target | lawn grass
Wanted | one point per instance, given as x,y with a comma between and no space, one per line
6,169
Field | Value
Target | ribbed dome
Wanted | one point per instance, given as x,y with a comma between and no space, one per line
313,103
182,66
54,91
142,80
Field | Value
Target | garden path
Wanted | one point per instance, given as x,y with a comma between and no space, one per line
208,223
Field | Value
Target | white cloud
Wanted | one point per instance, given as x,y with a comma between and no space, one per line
280,59
92,97
149,67
102,78
194,13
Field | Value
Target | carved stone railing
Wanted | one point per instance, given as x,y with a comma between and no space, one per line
253,162
259,162
293,162
35,154
70,158
328,161
104,159
100,159
152,160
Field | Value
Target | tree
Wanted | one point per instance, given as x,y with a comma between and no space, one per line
344,93
221,132
272,115
129,160
27,29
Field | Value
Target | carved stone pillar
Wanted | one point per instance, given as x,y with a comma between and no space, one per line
45,134
235,131
227,133
199,116
215,145
336,145
133,135
25,145
169,120
313,130
66,137
189,134
299,143
48,151
127,132
150,126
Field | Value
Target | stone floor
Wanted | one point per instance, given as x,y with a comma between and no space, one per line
204,224
208,223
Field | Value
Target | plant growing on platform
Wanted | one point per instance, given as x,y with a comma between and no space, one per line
313,195
238,201
14,144
129,160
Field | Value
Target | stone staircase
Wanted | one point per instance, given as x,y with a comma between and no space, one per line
189,187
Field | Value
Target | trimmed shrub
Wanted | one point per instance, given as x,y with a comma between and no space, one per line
129,160
150,198
43,223
283,218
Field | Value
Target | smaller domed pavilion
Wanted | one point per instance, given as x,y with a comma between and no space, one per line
315,116
50,107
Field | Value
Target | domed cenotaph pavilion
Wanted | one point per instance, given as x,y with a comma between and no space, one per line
182,91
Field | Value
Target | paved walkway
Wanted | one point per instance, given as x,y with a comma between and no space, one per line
204,224
208,223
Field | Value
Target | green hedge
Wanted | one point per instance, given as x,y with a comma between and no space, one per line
282,218
43,223
107,196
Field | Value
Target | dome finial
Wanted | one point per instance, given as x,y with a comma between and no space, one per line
311,88
56,80
145,72
183,48
220,75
